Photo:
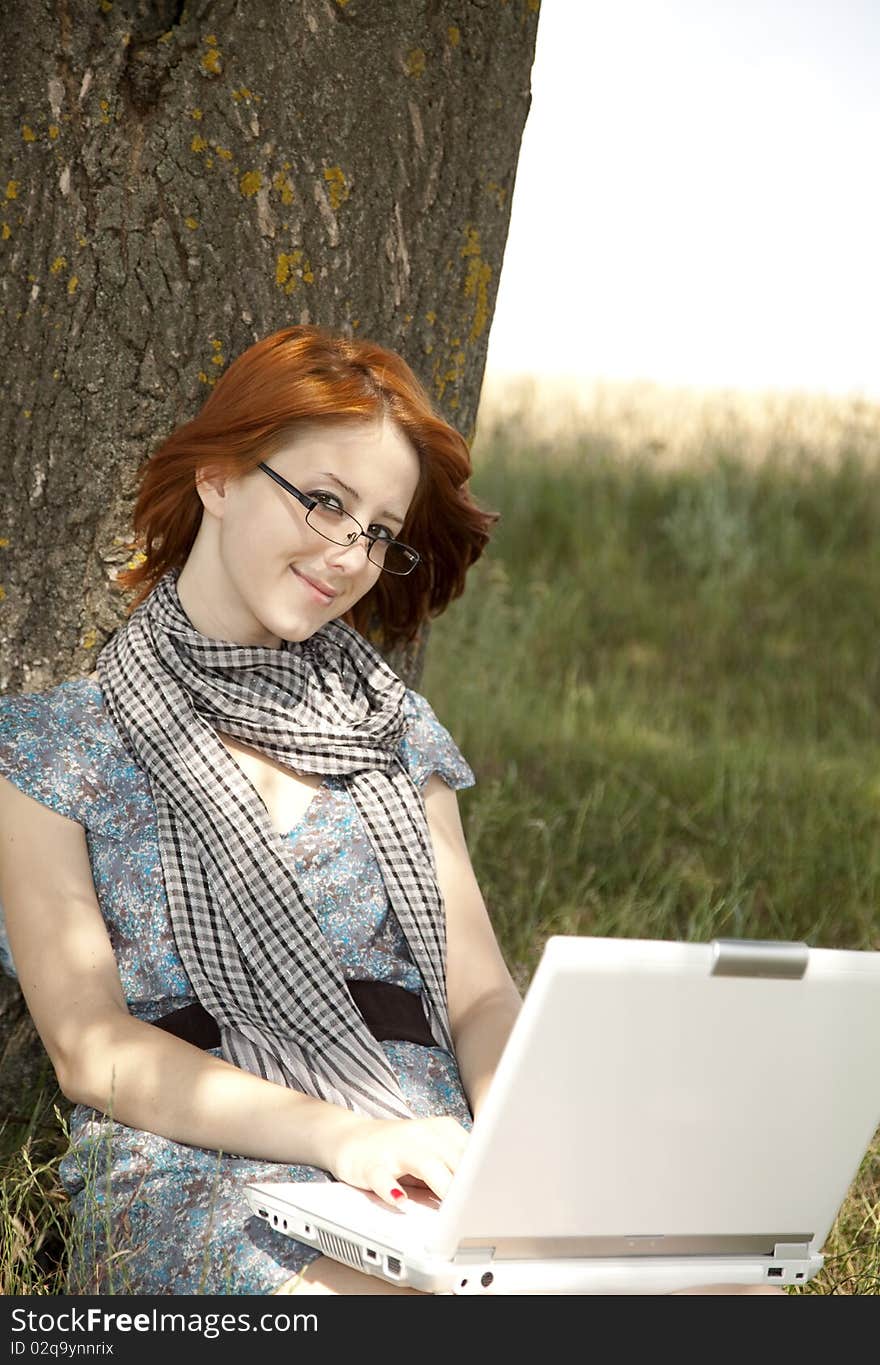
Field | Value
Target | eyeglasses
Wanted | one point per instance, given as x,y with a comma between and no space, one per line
330,520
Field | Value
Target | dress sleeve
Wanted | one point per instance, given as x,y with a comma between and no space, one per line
34,758
427,747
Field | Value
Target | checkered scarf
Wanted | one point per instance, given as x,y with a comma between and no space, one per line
254,952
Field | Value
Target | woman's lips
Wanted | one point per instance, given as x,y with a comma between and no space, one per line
321,594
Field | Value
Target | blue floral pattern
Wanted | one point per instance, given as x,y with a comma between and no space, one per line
152,1216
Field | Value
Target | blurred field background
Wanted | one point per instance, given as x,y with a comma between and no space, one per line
665,674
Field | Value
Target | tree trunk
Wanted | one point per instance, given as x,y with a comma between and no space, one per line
182,179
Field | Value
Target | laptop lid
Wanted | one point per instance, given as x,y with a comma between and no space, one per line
663,1098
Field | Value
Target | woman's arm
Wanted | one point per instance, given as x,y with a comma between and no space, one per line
145,1077
483,1000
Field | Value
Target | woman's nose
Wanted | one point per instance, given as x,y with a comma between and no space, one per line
353,556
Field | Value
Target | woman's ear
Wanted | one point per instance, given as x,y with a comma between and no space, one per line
211,488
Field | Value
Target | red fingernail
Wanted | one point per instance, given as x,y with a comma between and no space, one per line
397,1194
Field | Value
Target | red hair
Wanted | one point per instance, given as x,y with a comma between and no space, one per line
310,375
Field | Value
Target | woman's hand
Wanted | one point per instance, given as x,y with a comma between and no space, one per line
377,1154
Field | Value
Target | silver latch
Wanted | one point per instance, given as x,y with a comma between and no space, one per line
759,957
473,1255
792,1251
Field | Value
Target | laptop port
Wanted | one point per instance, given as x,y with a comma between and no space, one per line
392,1265
263,1213
775,1270
371,1254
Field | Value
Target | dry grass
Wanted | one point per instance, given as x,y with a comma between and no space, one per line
674,426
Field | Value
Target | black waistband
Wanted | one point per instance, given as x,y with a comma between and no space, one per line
389,1012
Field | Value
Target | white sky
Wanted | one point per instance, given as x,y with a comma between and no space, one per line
697,200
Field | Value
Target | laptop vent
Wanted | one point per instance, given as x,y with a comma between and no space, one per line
340,1249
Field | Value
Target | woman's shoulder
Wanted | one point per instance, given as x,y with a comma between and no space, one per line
50,740
427,746
69,707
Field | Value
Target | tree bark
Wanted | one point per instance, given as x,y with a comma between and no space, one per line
182,179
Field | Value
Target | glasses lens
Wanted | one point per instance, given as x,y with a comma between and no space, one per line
393,557
335,524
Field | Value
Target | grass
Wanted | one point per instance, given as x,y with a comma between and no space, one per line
665,674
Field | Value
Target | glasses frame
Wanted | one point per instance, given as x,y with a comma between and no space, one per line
311,503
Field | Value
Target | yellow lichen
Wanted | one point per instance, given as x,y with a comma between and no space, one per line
211,62
167,36
54,130
106,6
454,35
196,114
476,284
192,223
28,413
211,40
2,592
72,284
283,270
203,377
431,316
56,374
339,190
242,94
89,639
218,360
223,152
198,144
81,241
6,232
12,188
216,344
137,559
281,183
28,134
415,62
58,264
4,542
250,183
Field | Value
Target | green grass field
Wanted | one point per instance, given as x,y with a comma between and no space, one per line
665,673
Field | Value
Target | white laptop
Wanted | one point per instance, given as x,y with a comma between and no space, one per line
664,1115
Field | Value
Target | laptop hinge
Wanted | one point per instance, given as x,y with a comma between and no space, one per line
473,1255
792,1251
758,957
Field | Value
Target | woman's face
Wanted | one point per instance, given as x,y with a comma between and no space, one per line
257,573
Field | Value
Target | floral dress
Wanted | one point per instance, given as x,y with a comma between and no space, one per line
152,1216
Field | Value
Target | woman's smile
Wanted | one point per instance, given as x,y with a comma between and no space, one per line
319,590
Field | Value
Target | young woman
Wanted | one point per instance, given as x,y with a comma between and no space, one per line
238,896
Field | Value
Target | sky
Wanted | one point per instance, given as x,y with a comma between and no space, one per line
697,200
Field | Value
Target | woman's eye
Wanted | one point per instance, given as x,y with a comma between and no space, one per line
381,532
327,500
